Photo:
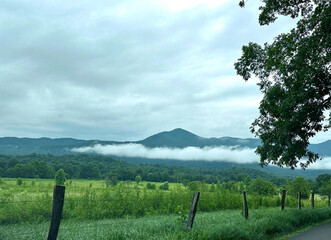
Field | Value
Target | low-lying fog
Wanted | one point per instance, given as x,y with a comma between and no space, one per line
229,154
226,154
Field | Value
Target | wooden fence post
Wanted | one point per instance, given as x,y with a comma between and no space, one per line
58,200
312,200
299,201
283,200
193,210
245,205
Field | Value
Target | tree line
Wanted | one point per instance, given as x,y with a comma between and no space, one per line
101,167
113,171
104,167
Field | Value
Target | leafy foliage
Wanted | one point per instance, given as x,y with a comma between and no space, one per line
138,179
322,179
164,186
60,177
100,167
298,185
294,73
113,180
262,187
325,189
150,185
19,181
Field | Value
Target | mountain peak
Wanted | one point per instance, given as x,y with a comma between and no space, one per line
175,138
180,131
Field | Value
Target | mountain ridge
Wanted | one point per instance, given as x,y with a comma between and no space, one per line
176,138
181,138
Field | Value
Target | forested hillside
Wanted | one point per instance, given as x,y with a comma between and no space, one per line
100,167
32,154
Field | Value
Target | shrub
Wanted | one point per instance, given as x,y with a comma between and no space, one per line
19,181
60,177
138,179
164,186
150,186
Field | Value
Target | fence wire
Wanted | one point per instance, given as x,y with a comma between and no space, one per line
27,201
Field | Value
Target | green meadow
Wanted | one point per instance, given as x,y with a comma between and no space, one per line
93,210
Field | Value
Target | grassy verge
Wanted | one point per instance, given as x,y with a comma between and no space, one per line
262,224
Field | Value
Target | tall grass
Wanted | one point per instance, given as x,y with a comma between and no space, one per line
227,225
33,202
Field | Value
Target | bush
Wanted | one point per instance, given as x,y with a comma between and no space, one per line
60,177
195,186
138,179
19,181
164,186
150,186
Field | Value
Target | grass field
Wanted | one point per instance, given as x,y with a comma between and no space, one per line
130,211
91,200
262,224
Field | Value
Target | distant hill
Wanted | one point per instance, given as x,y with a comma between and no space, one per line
177,138
180,138
323,148
58,146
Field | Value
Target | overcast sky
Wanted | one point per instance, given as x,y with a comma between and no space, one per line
124,70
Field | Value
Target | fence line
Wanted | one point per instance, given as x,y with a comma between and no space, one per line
57,211
50,201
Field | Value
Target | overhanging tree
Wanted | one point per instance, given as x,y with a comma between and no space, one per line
294,77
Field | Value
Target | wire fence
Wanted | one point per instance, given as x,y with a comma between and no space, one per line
50,201
68,201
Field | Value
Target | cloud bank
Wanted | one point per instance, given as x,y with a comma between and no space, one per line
227,154
325,164
224,154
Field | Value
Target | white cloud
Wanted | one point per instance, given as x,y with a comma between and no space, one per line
228,154
325,163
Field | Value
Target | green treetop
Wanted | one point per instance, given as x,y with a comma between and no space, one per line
294,73
325,189
262,187
298,185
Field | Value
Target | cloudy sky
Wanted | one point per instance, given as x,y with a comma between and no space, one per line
124,70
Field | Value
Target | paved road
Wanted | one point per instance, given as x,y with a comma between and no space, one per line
321,232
